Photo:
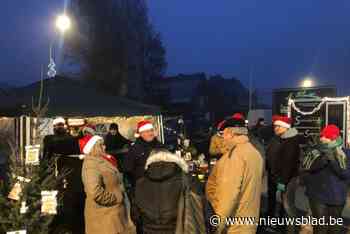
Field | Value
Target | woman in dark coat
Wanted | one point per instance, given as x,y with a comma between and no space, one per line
327,176
159,193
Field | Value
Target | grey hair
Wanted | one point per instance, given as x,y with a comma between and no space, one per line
239,130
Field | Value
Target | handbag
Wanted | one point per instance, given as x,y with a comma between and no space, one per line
190,218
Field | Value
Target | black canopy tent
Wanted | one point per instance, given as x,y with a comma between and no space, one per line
71,98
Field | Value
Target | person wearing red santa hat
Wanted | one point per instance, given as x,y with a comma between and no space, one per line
238,116
139,152
282,154
216,141
135,160
216,147
327,175
106,198
234,186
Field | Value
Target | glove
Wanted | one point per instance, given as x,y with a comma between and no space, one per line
281,187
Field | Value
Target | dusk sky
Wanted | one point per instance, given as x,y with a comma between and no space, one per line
281,41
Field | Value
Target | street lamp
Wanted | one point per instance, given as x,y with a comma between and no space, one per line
63,23
307,82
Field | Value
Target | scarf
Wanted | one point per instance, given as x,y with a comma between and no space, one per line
110,159
333,147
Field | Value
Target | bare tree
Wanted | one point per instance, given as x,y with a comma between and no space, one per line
39,110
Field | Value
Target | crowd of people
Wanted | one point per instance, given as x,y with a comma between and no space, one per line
162,196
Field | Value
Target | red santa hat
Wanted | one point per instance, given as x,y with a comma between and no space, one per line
238,116
220,125
330,132
87,143
59,120
142,126
90,129
282,121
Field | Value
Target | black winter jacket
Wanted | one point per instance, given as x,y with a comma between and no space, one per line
283,156
114,143
71,187
157,195
326,181
60,144
135,160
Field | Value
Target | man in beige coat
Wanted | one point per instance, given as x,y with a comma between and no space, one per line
235,184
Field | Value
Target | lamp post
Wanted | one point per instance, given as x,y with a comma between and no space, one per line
308,82
63,23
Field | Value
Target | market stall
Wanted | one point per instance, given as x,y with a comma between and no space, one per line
312,114
80,105
75,101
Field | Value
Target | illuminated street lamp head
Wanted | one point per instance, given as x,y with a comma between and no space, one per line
307,83
63,23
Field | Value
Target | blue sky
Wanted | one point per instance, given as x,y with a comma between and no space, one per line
281,41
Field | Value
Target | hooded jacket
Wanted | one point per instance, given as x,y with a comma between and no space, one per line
158,192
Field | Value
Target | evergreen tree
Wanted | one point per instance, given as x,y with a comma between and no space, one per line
41,178
33,180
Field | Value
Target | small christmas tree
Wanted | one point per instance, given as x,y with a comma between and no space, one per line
25,213
21,196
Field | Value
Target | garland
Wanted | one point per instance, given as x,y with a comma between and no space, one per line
316,109
291,104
